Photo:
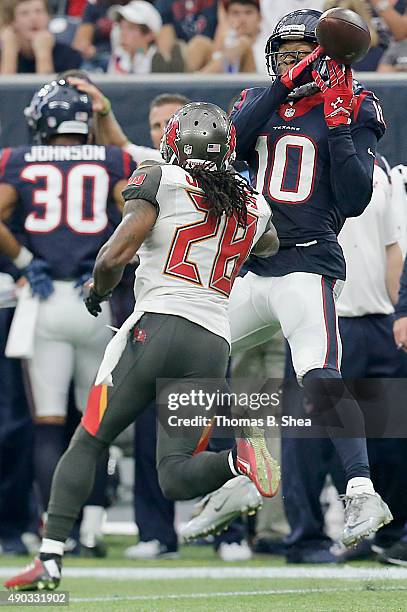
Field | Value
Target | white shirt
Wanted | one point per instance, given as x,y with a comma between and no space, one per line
140,154
121,62
364,240
399,202
182,267
258,48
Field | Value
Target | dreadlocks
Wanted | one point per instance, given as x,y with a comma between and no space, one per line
225,192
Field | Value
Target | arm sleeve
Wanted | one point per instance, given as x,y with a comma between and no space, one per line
401,306
144,184
352,151
252,110
352,168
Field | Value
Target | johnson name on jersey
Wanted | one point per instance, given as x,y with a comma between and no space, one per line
191,258
65,209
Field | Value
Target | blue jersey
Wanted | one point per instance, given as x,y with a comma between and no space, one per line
65,210
312,177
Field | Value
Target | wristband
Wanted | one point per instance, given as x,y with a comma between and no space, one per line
107,107
23,258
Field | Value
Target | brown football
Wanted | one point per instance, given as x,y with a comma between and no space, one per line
344,35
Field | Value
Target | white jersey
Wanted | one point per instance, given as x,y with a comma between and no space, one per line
364,240
191,258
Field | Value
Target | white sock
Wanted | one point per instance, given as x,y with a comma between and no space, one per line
52,567
91,526
232,465
359,485
52,547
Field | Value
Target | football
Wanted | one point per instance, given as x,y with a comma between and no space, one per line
344,35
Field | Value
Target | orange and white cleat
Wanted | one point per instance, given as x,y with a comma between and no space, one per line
255,461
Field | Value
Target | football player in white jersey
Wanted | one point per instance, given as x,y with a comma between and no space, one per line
193,223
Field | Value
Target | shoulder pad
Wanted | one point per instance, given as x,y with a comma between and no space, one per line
144,184
368,112
150,162
245,96
11,162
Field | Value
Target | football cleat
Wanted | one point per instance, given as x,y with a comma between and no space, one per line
38,576
235,551
395,555
153,549
254,460
97,550
365,513
218,509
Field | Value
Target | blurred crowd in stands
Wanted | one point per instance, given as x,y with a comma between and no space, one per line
194,36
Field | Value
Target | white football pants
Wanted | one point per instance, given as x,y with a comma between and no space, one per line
69,344
302,303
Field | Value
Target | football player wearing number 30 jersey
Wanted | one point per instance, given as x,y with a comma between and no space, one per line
193,222
310,140
66,197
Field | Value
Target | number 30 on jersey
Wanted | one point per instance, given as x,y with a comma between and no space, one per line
62,199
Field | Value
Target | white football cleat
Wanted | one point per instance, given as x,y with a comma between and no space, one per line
153,549
218,509
364,514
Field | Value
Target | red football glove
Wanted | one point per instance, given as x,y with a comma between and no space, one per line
338,96
294,77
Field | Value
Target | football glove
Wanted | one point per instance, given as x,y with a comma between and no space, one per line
38,274
296,76
338,95
93,301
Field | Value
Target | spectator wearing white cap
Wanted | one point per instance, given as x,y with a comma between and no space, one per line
136,52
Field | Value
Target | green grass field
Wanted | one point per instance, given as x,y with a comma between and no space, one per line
200,581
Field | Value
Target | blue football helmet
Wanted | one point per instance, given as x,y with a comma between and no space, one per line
58,108
298,25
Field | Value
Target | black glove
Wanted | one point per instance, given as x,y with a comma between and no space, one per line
93,301
38,274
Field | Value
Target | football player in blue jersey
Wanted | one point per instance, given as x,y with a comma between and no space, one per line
66,196
309,139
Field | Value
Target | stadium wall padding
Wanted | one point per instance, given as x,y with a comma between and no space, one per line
131,98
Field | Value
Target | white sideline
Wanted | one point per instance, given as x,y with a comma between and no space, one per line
345,572
223,594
